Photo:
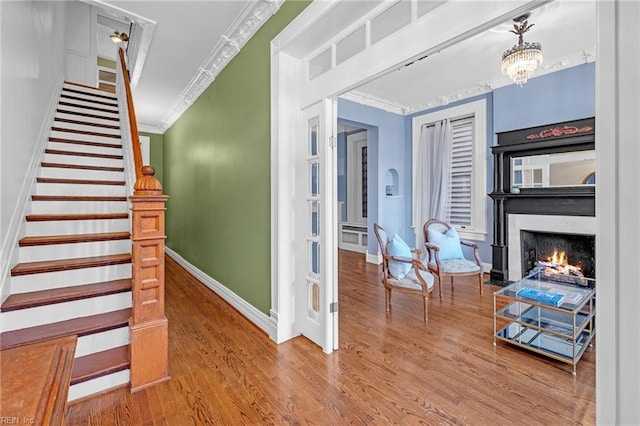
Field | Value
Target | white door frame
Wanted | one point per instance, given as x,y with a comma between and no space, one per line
291,92
616,21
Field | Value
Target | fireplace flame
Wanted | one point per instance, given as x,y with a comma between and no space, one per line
557,263
559,258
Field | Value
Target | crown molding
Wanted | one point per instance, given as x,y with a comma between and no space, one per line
373,101
249,20
578,58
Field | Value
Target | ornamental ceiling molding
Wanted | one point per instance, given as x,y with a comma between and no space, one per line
373,101
248,22
580,58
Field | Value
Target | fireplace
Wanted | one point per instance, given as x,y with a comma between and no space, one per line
567,254
541,203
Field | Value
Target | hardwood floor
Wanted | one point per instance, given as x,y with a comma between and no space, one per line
389,369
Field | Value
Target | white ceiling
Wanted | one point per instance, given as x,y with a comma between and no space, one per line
187,33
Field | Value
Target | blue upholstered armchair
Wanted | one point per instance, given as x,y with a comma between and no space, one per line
445,257
402,269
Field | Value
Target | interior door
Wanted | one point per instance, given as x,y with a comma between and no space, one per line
316,254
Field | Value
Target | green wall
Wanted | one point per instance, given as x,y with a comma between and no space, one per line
217,172
156,153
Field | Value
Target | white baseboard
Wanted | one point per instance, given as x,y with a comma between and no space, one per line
487,267
263,321
376,259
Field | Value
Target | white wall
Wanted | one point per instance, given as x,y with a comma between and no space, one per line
32,49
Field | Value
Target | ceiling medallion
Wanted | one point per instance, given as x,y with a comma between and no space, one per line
519,62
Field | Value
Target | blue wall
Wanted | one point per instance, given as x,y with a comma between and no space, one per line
385,150
560,96
552,98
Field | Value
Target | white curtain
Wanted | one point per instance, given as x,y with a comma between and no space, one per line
433,173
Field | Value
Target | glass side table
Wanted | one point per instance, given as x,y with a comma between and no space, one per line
553,315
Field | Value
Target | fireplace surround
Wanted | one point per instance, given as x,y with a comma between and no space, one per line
567,204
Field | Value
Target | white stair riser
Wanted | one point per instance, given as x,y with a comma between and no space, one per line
84,161
79,189
77,117
85,148
67,173
83,137
68,227
86,127
99,385
70,251
62,207
31,317
50,280
88,111
98,342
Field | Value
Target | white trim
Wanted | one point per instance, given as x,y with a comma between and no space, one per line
17,224
261,320
375,102
478,232
375,258
486,267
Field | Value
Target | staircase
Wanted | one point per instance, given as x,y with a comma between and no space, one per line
74,272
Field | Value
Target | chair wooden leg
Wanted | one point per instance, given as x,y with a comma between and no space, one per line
480,282
440,285
451,283
426,316
388,299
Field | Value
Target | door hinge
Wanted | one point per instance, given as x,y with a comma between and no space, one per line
332,141
333,307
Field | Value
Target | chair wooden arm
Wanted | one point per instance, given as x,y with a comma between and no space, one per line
476,253
469,244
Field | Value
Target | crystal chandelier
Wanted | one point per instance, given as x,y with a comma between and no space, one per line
519,62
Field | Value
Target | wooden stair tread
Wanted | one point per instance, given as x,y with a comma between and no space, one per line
94,108
87,216
82,167
87,143
43,266
81,181
83,154
92,101
85,114
93,198
87,123
73,238
84,92
85,132
65,294
100,364
85,85
35,381
77,326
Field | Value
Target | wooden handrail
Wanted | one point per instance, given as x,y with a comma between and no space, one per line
133,124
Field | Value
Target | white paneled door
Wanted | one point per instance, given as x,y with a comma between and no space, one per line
316,266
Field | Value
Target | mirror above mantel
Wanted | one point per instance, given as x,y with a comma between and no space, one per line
560,169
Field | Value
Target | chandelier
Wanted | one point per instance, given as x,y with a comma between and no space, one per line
519,62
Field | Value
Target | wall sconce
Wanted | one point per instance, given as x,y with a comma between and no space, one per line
119,38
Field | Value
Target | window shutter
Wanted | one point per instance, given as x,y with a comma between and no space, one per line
460,195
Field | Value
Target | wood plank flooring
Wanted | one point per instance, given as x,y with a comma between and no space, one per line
389,369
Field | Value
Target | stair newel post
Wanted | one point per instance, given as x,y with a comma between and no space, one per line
148,324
